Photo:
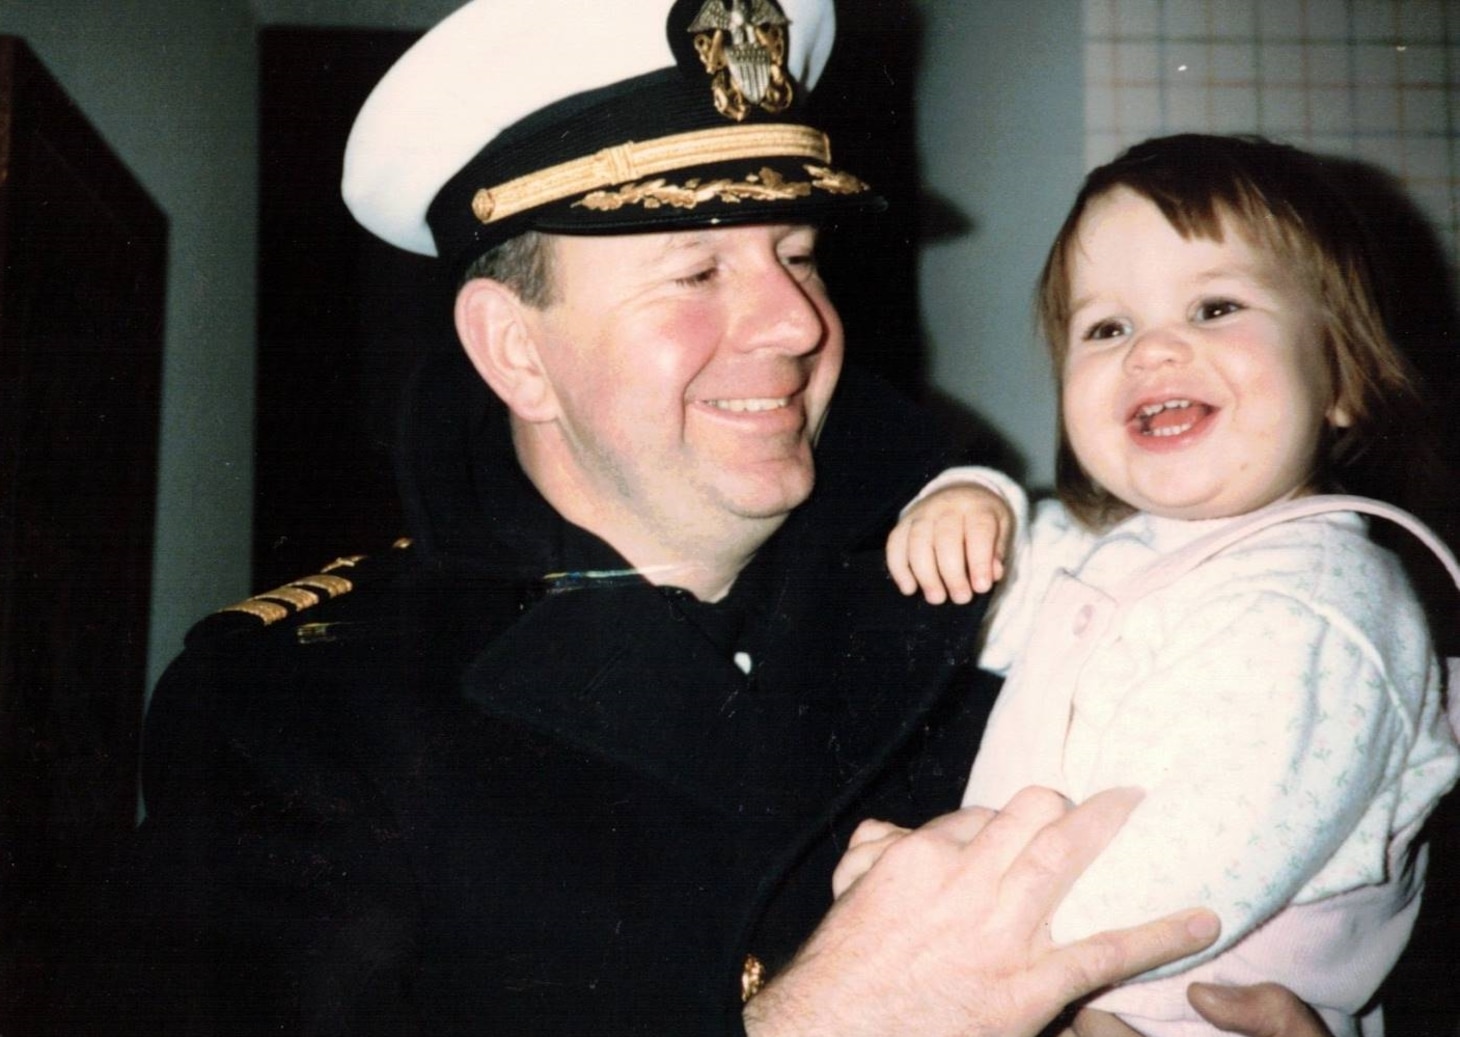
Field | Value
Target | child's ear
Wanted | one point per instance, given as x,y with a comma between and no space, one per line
494,327
1338,416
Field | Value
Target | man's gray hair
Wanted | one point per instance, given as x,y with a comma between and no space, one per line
524,264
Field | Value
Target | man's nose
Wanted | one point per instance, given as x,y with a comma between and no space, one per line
782,314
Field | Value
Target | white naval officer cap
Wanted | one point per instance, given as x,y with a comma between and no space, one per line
597,117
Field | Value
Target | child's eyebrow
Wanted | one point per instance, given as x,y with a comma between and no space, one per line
1214,273
1263,274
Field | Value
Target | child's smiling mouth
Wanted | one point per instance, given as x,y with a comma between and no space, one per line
1171,417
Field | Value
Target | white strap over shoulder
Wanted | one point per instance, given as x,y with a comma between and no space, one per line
1180,562
1198,551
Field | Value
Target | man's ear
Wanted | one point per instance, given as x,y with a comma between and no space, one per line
494,327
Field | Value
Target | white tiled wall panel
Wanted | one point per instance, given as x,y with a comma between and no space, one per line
1377,80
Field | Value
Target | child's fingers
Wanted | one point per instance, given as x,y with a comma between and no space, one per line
1005,535
981,574
1005,543
897,563
922,558
985,552
950,545
951,550
979,535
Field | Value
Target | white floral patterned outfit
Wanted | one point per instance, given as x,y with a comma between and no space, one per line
1277,697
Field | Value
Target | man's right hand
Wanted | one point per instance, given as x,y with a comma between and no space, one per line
947,932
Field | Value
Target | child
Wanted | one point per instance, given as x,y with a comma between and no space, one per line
1265,674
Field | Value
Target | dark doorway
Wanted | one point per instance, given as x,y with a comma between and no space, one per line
339,313
83,261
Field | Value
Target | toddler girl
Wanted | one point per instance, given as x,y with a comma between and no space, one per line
1195,616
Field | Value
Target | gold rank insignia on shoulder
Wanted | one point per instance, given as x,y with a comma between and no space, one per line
296,596
743,48
264,610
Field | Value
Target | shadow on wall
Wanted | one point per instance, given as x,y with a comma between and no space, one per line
867,99
1417,291
1416,284
865,102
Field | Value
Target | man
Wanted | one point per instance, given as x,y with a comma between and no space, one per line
581,757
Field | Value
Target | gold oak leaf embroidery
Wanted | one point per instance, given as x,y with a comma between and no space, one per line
765,186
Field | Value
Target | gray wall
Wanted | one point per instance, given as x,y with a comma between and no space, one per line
172,85
373,14
1001,130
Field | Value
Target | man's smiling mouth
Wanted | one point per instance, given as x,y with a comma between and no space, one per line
751,406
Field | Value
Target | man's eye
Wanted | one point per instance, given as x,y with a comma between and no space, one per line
1211,309
801,264
1106,329
698,278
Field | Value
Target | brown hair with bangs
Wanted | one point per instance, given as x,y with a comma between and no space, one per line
1281,200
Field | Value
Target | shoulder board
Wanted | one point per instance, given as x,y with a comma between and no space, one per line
273,606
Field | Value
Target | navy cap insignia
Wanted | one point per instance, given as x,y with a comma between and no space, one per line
743,48
593,130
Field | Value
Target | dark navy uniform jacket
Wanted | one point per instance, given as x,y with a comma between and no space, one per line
490,789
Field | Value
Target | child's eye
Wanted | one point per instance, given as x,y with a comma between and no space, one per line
1106,329
1211,309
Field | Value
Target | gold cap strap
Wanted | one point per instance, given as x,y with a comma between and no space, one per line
635,159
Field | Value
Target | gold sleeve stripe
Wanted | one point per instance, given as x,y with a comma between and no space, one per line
304,593
332,586
634,160
268,611
299,597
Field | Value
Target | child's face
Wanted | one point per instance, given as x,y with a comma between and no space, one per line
1195,384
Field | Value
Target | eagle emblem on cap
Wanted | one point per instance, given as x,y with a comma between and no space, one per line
743,47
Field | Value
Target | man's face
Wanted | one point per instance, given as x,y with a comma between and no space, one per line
691,372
